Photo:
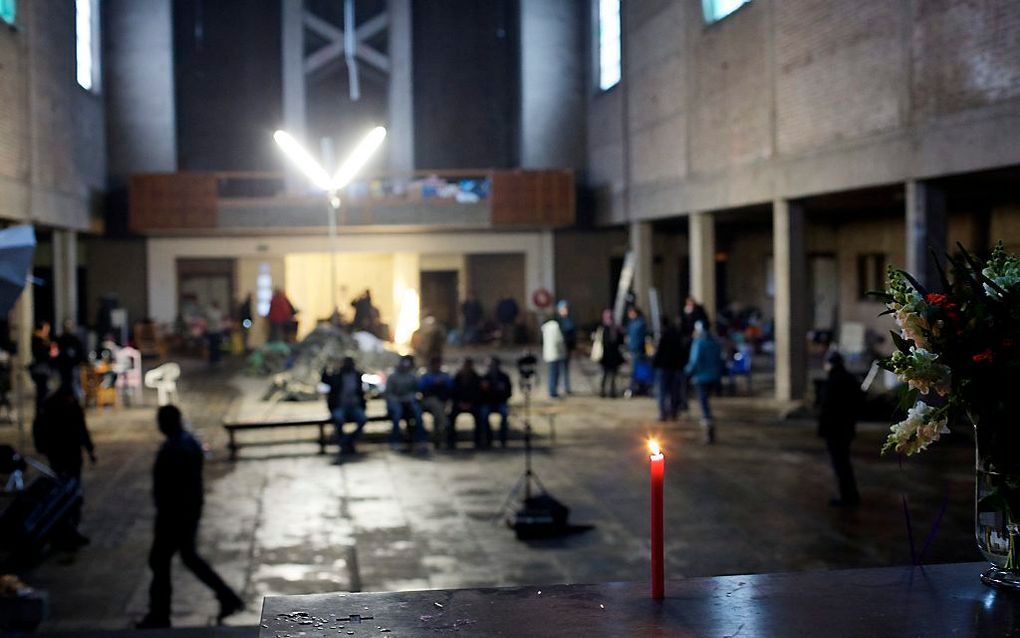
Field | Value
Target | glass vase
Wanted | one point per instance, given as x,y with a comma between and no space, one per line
997,520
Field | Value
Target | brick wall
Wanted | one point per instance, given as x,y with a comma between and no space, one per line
52,143
793,98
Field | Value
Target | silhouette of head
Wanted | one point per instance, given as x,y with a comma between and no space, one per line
170,420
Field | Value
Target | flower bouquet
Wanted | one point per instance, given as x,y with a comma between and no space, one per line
958,351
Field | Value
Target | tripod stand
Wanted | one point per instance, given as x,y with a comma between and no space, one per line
528,477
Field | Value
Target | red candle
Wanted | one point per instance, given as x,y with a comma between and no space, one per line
658,471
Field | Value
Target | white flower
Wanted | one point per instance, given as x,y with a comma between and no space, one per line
921,371
922,427
913,326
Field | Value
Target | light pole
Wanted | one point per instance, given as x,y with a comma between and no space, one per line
332,186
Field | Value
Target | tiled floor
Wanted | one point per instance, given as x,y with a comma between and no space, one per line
285,520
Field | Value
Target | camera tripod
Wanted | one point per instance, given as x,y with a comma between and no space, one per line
528,479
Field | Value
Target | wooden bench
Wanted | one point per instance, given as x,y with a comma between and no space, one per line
233,427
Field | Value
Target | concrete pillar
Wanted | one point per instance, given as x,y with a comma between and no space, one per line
400,137
406,295
641,246
293,72
65,277
926,230
22,319
701,235
790,278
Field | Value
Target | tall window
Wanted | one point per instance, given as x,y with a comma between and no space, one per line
8,11
716,10
86,27
609,43
870,274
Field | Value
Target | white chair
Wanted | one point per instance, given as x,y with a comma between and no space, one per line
128,366
164,380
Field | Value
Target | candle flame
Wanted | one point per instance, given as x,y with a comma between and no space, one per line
653,447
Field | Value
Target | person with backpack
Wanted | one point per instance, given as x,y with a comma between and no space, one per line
496,392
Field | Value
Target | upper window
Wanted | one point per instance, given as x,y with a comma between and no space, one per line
609,43
716,10
8,11
86,28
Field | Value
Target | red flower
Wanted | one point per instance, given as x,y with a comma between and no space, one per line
984,357
935,298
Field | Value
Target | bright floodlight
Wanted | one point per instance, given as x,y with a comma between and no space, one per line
314,172
304,161
358,157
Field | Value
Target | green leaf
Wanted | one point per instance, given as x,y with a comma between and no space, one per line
915,283
903,345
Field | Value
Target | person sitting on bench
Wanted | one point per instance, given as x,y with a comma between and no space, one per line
346,402
402,403
435,386
496,391
467,397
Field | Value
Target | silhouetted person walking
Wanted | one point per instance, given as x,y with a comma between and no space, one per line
840,404
178,494
61,434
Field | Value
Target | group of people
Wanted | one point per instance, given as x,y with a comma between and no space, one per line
61,434
409,395
685,354
61,355
475,329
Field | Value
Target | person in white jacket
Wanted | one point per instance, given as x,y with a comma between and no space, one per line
554,353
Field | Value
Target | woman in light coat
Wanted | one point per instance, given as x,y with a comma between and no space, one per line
554,352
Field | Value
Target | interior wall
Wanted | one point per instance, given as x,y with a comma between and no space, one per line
307,285
118,267
494,276
583,274
247,272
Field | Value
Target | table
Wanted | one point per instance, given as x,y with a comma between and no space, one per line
940,600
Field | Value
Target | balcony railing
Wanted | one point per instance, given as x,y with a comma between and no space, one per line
232,201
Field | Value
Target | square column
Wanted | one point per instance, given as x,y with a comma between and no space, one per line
926,231
400,143
641,246
22,324
790,277
701,235
65,278
292,69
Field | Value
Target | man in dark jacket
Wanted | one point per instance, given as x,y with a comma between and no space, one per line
669,360
840,403
70,354
345,401
61,434
467,397
496,392
178,493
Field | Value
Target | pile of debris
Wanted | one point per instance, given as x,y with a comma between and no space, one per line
297,368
